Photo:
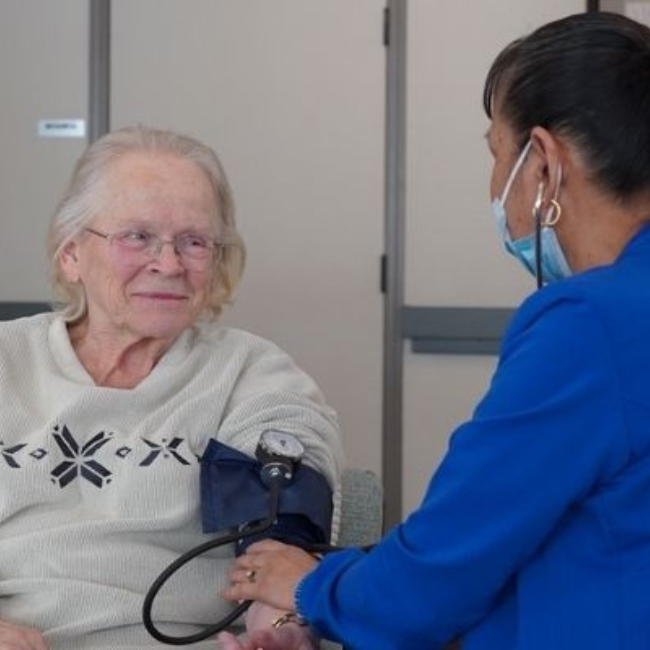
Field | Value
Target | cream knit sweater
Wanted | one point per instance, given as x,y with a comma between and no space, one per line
99,486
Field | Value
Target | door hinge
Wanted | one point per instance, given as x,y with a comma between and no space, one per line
386,27
383,274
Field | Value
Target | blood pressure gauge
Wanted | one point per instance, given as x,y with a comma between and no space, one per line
279,453
279,443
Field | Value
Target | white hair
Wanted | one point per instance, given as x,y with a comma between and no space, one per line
80,204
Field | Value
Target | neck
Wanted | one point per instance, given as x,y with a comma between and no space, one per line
116,362
594,230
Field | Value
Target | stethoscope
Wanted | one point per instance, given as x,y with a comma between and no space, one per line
551,218
279,454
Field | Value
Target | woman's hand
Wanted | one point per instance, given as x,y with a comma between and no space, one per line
287,637
16,637
262,634
269,571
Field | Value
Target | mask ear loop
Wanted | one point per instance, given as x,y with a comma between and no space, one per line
537,215
515,171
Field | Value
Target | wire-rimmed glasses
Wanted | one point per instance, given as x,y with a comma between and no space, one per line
134,247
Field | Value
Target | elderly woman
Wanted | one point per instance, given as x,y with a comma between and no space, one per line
108,404
534,533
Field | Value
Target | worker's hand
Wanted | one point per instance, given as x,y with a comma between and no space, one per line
16,637
269,571
288,637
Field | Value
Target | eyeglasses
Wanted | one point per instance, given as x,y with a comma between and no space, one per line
135,247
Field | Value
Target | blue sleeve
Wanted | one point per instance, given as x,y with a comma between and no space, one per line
548,430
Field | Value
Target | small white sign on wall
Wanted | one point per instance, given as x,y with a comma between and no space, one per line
62,128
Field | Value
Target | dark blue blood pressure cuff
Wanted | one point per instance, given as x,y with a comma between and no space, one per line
233,495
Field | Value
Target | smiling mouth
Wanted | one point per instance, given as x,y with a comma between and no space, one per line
156,295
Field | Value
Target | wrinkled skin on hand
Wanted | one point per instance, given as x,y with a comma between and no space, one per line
16,637
288,637
268,574
262,634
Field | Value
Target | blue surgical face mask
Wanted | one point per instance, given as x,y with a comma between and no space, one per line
553,263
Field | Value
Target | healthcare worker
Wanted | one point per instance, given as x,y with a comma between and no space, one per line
534,533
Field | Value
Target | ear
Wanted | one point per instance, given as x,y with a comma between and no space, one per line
547,153
69,261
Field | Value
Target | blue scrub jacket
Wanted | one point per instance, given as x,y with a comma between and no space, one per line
534,533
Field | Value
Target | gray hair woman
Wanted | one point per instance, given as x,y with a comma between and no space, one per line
86,193
111,406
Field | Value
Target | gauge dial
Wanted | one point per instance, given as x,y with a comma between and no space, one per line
280,443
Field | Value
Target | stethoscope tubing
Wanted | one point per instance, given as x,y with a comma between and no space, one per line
230,538
158,583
